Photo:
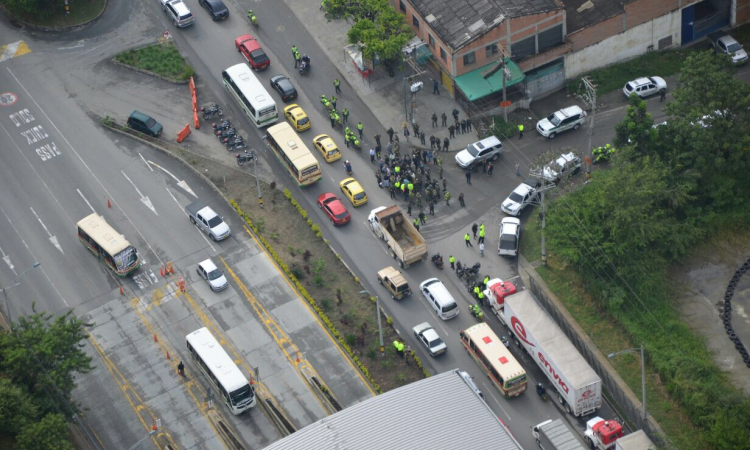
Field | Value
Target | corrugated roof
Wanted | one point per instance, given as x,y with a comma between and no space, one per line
582,14
458,22
437,412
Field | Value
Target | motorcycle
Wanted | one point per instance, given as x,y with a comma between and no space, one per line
226,135
540,391
236,143
211,111
437,259
505,341
219,127
326,103
474,270
251,16
305,66
348,168
477,312
243,158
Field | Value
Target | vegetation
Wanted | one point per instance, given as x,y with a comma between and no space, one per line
668,189
51,13
161,59
38,361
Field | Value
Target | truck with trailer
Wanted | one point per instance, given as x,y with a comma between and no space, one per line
406,244
579,388
635,441
555,435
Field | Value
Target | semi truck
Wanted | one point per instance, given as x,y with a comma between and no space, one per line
406,245
555,435
579,388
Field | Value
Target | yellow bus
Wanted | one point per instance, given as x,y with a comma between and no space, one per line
494,357
106,243
293,154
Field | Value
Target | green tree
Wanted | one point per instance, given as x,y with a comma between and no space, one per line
382,38
49,433
636,129
16,408
356,10
44,350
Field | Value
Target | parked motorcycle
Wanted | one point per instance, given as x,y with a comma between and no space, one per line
476,312
236,143
226,134
219,127
251,16
437,259
212,110
242,158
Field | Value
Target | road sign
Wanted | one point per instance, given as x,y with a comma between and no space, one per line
8,99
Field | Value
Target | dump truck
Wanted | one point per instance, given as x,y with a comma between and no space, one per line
208,221
555,435
404,241
579,388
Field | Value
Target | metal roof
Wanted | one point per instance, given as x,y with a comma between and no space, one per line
438,412
582,14
459,22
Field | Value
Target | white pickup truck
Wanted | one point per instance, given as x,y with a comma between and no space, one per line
208,221
726,44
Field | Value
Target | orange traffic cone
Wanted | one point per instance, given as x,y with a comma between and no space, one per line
168,355
155,338
109,204
122,290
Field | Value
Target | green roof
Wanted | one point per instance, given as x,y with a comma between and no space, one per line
474,86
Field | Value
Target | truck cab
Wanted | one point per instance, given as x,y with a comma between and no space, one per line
394,282
601,434
497,290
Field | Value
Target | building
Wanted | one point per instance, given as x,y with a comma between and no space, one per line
442,411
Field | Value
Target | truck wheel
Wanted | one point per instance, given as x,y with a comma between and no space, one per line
400,264
380,281
590,442
393,255
568,409
192,220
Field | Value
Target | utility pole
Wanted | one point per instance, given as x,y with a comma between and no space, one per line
544,240
257,180
501,66
590,99
539,173
380,327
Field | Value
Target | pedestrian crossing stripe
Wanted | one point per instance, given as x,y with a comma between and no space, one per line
12,50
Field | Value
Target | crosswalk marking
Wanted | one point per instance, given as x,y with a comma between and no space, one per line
12,50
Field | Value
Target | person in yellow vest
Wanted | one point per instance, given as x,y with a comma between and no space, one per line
477,291
480,298
486,280
481,235
452,260
520,131
399,348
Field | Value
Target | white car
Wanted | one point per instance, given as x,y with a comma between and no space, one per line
488,149
521,196
645,86
213,276
570,118
429,337
510,232
565,166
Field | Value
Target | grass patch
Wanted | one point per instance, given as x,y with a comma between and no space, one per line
609,337
613,77
161,59
81,11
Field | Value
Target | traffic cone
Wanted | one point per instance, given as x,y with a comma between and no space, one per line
109,204
161,271
168,355
122,290
155,338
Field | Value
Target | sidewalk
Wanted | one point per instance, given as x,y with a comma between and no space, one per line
383,95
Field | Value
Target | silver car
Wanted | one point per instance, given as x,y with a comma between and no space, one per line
213,276
429,337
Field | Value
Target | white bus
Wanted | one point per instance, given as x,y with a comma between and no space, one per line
491,354
221,371
250,95
106,243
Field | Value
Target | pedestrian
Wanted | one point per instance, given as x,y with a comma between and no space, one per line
392,190
474,229
294,55
416,223
419,200
333,120
405,128
337,85
432,142
435,87
455,114
345,115
444,119
468,177
481,228
461,199
360,128
297,60
408,209
481,249
390,134
520,131
467,240
434,120
463,126
490,168
181,369
445,188
422,217
481,235
432,208
458,127
445,144
421,138
416,129
440,163
452,131
333,101
389,147
377,138
372,155
447,198
468,124
662,95
452,260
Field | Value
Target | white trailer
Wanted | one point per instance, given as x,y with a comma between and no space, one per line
579,388
635,441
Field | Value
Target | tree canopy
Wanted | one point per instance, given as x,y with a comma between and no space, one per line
384,37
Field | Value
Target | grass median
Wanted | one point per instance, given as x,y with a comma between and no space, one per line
162,59
81,11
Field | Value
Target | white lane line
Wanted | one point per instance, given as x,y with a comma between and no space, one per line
145,162
180,183
52,238
6,258
34,258
186,215
140,234
78,45
87,202
144,198
488,390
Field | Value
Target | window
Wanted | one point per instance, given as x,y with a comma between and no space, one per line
415,21
470,58
431,40
550,38
443,55
491,50
523,48
401,5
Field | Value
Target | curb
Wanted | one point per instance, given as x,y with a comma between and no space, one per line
14,20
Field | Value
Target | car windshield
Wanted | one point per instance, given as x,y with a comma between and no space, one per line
731,48
241,395
214,274
508,242
216,221
150,122
304,121
259,56
332,152
554,120
359,196
515,197
473,151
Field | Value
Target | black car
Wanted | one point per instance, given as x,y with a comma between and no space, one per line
284,87
216,8
144,123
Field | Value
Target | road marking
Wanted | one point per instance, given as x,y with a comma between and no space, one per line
186,215
489,391
52,238
6,258
145,162
87,202
8,99
78,45
180,183
12,50
144,198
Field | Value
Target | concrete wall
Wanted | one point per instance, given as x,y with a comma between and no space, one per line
742,12
622,46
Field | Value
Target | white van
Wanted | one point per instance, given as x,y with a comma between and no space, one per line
488,149
439,298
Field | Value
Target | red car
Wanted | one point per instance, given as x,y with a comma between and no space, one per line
334,209
251,50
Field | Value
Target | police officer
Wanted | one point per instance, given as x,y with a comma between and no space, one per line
416,222
486,280
337,85
360,127
448,199
345,115
480,298
452,260
467,240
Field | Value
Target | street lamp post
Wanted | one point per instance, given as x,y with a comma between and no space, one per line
380,327
16,281
643,374
137,444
